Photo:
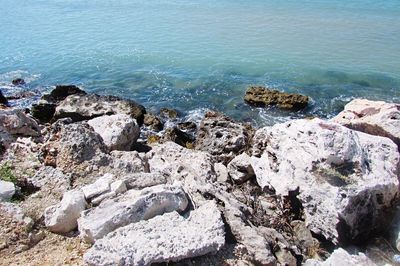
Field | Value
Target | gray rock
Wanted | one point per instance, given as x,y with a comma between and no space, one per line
131,207
165,238
372,117
240,169
85,107
143,180
222,172
7,190
222,137
62,218
342,257
345,179
118,132
17,123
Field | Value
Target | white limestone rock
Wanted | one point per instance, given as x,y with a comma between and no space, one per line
143,180
342,257
102,185
118,132
221,172
165,238
62,218
130,207
342,176
7,190
372,117
240,169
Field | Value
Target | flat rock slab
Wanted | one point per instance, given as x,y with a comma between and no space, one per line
165,238
131,207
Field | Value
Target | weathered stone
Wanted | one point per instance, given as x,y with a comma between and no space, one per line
118,132
346,180
102,185
261,96
165,238
372,117
187,126
342,257
169,113
18,81
62,218
240,169
22,94
177,136
17,123
85,107
153,122
43,111
222,137
222,172
61,92
131,207
7,190
143,180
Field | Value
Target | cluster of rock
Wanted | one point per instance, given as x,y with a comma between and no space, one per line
272,196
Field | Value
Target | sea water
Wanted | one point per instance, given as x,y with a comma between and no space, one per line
202,54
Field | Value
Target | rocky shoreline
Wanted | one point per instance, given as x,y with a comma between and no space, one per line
89,179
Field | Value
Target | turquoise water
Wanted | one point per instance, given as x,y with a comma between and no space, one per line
193,54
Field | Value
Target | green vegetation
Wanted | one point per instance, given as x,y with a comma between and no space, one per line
6,173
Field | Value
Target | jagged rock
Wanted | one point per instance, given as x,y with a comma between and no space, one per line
255,244
240,169
177,163
153,122
3,100
222,137
342,257
7,190
261,96
118,132
43,111
17,123
126,162
102,185
62,218
85,107
61,92
346,180
168,113
187,126
372,117
131,207
165,238
115,188
222,172
174,134
18,81
143,180
303,237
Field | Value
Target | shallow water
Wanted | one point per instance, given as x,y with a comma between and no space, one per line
191,54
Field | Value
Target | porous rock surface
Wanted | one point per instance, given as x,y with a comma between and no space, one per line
372,117
85,107
341,176
222,137
131,207
342,257
165,238
118,131
240,168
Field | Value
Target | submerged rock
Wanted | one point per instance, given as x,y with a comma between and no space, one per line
222,137
85,107
346,180
372,117
62,218
18,81
131,207
118,132
261,96
165,238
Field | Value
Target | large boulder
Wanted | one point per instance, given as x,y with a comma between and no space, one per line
118,132
372,117
222,137
61,92
261,96
131,207
165,238
62,218
346,180
85,107
7,190
342,257
17,123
